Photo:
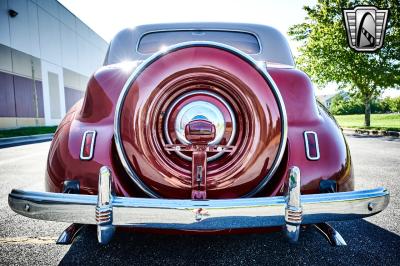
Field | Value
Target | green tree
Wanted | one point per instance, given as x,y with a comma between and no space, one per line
393,104
326,56
346,105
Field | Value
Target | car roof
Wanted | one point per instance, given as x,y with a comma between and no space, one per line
274,47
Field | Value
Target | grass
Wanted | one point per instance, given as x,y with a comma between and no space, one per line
26,131
378,121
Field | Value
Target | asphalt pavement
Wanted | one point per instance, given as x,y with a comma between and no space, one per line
371,241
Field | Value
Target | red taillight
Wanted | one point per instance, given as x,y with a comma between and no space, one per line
87,146
311,143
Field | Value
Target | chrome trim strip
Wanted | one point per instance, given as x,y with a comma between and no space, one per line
182,214
307,147
87,158
151,59
202,29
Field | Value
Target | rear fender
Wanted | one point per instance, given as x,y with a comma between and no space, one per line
94,112
303,115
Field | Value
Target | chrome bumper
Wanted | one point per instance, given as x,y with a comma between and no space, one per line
108,211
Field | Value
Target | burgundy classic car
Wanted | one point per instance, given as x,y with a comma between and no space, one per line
202,128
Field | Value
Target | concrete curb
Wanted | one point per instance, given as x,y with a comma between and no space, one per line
372,132
23,140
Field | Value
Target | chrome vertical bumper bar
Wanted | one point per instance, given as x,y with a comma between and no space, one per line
104,208
293,210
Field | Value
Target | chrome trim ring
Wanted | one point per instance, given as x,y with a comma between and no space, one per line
117,136
179,128
196,110
309,156
90,156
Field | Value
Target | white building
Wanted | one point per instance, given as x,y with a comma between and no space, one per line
326,99
47,55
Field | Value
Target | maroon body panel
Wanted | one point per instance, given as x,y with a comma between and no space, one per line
97,112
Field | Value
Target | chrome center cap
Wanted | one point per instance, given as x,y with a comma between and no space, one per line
200,110
221,116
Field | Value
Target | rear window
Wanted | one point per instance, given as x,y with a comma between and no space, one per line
155,41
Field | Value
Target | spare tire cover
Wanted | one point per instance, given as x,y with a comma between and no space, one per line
210,81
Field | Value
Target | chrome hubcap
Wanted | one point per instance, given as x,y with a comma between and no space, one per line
200,110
